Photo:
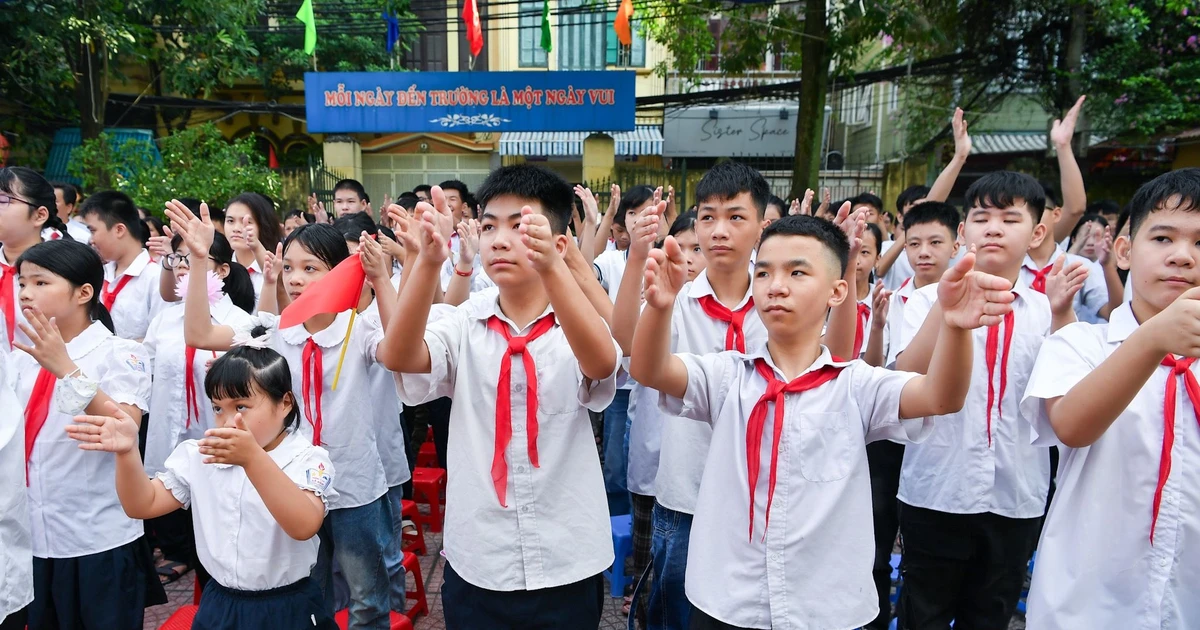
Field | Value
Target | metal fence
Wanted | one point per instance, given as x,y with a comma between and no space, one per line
301,181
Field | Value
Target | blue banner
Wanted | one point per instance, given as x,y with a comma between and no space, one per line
390,102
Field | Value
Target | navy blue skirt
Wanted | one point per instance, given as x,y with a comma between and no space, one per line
295,606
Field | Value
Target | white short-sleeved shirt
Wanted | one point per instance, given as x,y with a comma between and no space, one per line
610,268
479,279
1096,567
895,321
1094,294
645,438
166,350
956,470
73,505
685,442
389,434
821,513
237,539
79,231
347,418
256,279
18,334
139,300
16,554
555,530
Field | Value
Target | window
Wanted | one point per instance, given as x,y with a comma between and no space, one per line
428,53
615,54
856,105
893,97
530,22
581,33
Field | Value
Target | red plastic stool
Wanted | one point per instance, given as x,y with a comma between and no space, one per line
427,456
428,485
182,619
397,621
413,567
413,542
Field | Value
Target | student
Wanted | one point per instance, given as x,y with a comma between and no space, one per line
810,565
91,567
1088,236
527,530
26,202
65,198
349,197
971,496
256,488
1119,398
16,553
609,235
253,230
295,219
358,530
871,203
131,292
456,198
610,265
422,192
864,266
776,209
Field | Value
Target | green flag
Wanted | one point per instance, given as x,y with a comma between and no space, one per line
547,43
305,15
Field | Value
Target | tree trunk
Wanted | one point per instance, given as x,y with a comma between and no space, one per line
91,93
1072,63
814,80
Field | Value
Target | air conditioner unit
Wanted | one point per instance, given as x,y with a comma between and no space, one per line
834,161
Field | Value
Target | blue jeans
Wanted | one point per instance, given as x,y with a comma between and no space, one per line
616,453
360,539
668,607
393,557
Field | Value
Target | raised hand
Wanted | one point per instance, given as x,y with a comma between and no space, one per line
803,207
826,199
250,233
273,264
614,198
539,240
468,241
112,433
851,224
970,298
432,244
1104,245
962,139
47,346
880,302
1063,282
230,445
197,232
644,230
370,252
1176,329
591,206
160,246
670,202
666,273
1063,131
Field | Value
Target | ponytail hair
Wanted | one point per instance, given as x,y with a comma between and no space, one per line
76,263
29,184
237,284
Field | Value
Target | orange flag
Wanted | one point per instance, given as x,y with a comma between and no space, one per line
470,16
338,291
622,24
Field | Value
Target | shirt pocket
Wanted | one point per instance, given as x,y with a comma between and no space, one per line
825,448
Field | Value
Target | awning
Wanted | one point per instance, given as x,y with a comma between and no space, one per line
644,140
1014,142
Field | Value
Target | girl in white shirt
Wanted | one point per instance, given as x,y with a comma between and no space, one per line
255,486
91,566
358,532
178,409
253,230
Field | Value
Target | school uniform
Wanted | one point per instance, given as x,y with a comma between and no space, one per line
527,527
645,441
16,552
10,305
971,496
610,269
256,278
479,279
1116,553
260,574
91,567
863,323
79,231
787,519
685,443
133,299
1088,301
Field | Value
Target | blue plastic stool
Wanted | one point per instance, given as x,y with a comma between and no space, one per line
1025,591
622,534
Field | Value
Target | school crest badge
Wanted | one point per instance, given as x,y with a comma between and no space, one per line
318,478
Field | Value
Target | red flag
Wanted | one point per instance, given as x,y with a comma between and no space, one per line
470,16
621,24
272,159
338,291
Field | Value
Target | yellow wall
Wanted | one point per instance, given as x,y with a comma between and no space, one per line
1186,155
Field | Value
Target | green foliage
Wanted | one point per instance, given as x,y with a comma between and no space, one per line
197,162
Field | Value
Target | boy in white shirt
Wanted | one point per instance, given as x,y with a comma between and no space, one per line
131,283
527,531
1120,399
971,496
811,567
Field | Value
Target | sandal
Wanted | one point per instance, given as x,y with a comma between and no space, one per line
408,528
170,571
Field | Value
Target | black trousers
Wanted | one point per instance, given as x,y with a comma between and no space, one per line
701,621
15,621
574,606
966,568
884,459
435,414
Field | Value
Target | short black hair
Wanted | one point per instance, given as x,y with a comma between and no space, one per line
308,217
216,213
1086,219
1104,206
911,194
683,223
869,199
352,185
68,192
238,372
1053,199
778,202
532,183
933,212
353,225
632,199
454,184
727,180
878,234
1002,189
423,188
1157,194
831,236
113,207
321,240
408,201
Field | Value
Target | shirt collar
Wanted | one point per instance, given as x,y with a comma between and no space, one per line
1032,266
136,267
1121,323
1022,290
758,350
220,310
701,287
88,340
486,309
289,448
254,267
328,338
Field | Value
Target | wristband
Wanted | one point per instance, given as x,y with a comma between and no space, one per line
464,275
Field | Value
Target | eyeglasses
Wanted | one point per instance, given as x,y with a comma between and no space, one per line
6,199
173,261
